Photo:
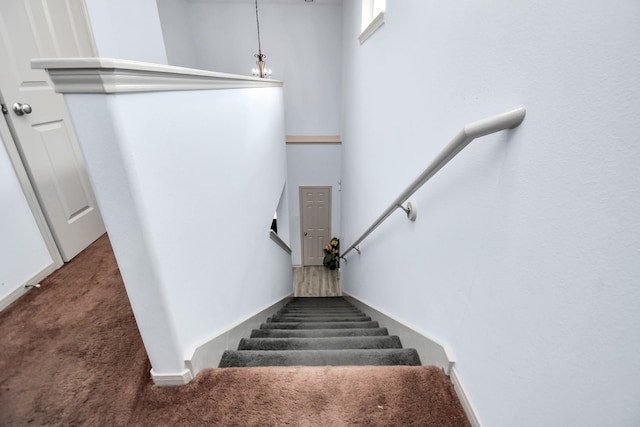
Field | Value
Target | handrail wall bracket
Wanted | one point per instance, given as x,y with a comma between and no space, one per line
507,120
411,210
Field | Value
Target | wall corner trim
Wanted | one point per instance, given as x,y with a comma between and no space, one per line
107,75
464,400
172,379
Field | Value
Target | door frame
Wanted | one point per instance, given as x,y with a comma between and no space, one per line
29,193
301,210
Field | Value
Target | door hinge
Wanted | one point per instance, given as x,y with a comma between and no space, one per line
4,109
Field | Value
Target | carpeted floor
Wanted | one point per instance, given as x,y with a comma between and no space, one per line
70,354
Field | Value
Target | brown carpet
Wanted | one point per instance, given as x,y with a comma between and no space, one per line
70,354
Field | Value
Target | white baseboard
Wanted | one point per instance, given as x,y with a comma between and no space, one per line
13,296
209,353
431,351
171,380
22,289
464,400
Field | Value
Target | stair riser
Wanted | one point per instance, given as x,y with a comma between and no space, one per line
319,332
316,333
321,314
254,358
319,307
318,319
336,343
320,304
319,325
320,310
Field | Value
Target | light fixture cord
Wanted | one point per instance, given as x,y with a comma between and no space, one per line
258,24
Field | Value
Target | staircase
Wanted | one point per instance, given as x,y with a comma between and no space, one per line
319,332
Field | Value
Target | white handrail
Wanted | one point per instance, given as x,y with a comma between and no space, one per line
489,125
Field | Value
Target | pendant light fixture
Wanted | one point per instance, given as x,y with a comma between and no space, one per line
261,71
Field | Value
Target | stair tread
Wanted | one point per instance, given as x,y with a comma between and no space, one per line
320,307
336,304
369,357
320,314
320,343
320,310
319,332
319,325
286,319
311,333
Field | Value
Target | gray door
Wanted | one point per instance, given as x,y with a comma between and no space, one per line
315,220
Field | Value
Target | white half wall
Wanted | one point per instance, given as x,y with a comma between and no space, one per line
310,164
525,254
188,195
302,44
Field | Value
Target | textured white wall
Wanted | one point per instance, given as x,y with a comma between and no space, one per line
177,34
23,252
126,29
302,44
312,165
524,256
188,196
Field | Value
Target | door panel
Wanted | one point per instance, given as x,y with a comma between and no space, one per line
68,187
45,137
315,213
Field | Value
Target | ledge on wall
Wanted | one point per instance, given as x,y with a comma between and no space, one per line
313,139
108,75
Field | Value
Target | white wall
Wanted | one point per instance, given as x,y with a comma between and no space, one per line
302,44
312,165
23,252
126,29
177,35
187,197
524,256
283,215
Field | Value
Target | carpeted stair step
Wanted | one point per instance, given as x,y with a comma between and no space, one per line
319,310
370,357
318,325
312,305
317,333
354,316
285,319
292,306
326,343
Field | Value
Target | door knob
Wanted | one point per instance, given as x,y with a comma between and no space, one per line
21,109
305,233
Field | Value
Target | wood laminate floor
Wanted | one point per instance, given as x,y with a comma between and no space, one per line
316,281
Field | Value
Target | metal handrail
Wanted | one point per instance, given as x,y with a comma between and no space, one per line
489,125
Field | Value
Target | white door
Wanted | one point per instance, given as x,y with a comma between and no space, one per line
43,132
315,220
